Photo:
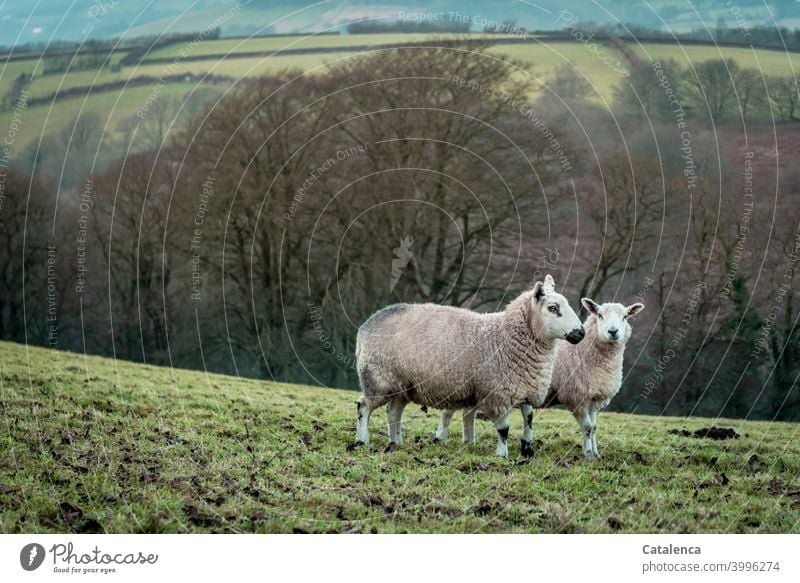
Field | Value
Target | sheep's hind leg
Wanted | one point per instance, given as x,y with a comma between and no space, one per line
395,415
584,419
443,431
593,416
501,425
468,425
526,446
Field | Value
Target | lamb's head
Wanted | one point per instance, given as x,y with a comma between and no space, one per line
556,319
611,320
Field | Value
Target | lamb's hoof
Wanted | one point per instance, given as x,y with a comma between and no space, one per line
526,449
391,447
591,456
502,451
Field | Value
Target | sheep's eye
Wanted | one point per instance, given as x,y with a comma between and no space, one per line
599,315
553,309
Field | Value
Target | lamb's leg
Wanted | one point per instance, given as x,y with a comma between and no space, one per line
443,430
395,415
468,425
501,425
526,447
593,416
587,429
364,411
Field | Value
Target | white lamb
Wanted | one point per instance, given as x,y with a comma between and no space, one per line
585,378
446,357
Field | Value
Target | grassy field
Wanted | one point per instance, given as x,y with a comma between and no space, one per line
543,58
769,62
93,445
295,42
114,106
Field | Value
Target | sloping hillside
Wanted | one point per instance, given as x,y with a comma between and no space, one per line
89,444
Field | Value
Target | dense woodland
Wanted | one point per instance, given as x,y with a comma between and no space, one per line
259,232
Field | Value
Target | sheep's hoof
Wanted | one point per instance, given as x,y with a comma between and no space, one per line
391,447
590,455
527,448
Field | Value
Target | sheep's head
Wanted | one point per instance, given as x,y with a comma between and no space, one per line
557,320
611,320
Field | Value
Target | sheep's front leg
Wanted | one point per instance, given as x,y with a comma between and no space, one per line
593,416
526,447
395,415
501,425
468,425
443,431
364,411
584,419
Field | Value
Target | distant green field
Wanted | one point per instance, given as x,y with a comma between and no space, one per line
770,62
542,58
275,43
96,445
114,105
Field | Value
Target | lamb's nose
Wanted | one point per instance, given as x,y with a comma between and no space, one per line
613,333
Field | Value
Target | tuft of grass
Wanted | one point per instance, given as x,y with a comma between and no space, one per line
92,445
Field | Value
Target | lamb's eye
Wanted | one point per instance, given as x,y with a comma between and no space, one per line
553,309
600,316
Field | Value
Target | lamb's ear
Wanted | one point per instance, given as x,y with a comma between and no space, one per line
590,305
634,309
538,291
549,284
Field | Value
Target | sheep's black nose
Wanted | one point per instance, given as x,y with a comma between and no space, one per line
613,333
576,335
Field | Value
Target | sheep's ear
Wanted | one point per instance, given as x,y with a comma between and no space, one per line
549,284
634,309
538,291
590,305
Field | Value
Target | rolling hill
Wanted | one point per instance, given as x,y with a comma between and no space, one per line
55,98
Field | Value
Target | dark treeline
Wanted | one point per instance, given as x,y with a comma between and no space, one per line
368,26
737,31
257,236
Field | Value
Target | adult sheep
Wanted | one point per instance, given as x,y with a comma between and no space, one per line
446,357
585,377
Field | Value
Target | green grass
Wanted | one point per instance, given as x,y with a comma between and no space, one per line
89,444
